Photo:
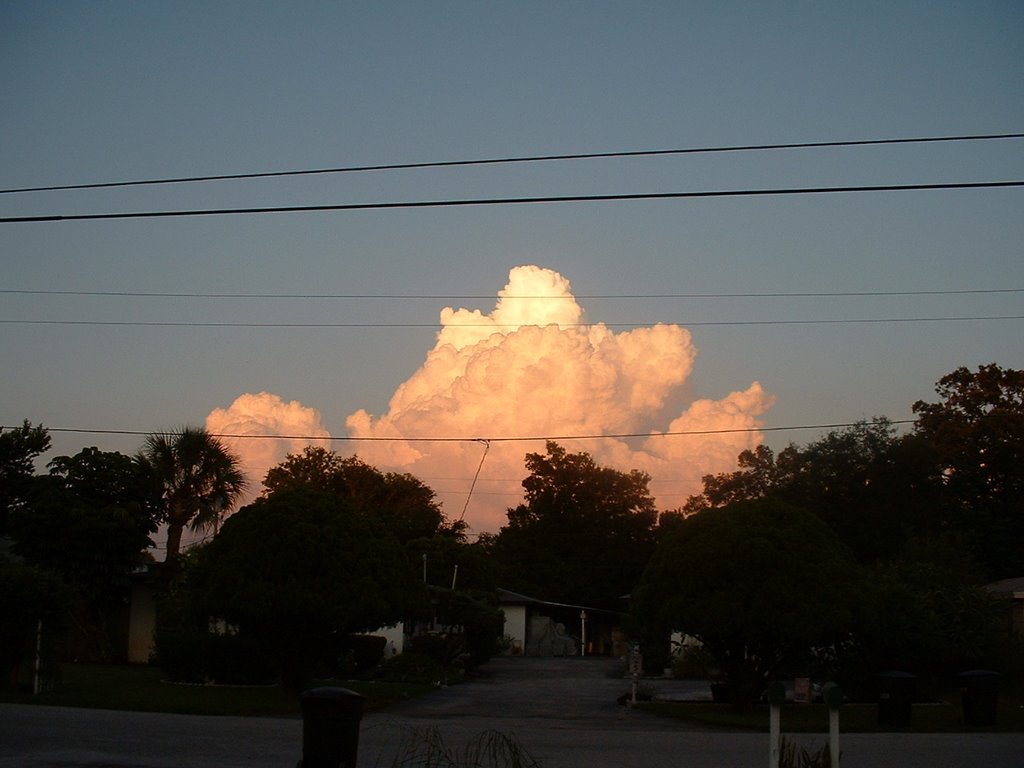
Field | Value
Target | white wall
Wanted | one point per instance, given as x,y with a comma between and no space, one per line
515,626
395,635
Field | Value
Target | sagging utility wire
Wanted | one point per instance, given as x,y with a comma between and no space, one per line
498,201
524,159
487,447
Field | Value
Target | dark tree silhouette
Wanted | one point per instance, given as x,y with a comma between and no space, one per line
199,480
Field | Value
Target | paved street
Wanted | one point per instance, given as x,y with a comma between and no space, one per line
562,711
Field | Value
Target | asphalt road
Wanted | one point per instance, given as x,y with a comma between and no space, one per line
563,712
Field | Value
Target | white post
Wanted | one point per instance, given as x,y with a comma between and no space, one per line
776,696
833,696
583,633
833,736
36,684
636,664
774,737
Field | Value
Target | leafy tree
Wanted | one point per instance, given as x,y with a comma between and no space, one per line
462,580
584,533
297,572
89,521
758,582
19,448
874,489
977,433
860,481
929,619
402,501
198,479
471,628
453,562
759,475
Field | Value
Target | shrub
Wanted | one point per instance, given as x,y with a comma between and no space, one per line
789,757
179,637
28,596
442,647
694,662
490,749
364,653
235,659
413,667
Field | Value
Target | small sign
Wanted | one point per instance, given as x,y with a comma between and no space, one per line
802,690
636,660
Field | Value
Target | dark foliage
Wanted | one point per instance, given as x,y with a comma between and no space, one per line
584,534
757,582
297,573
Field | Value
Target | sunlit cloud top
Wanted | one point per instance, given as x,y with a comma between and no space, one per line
529,368
265,415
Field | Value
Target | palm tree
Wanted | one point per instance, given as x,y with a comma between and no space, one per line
198,480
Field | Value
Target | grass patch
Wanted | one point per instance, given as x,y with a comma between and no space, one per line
425,748
142,689
942,717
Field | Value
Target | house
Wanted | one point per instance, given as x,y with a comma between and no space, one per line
141,617
1013,591
543,628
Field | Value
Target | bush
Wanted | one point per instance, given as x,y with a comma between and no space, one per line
28,596
483,624
694,662
180,651
442,647
789,757
490,749
413,667
234,659
364,653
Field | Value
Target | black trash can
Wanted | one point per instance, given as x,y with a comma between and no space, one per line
979,694
896,694
330,727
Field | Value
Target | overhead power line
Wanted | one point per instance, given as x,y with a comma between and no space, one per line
496,326
489,201
485,440
520,159
483,297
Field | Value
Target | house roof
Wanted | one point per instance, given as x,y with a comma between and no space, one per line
508,597
1008,588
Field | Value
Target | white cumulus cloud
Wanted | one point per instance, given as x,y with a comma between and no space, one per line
265,415
531,368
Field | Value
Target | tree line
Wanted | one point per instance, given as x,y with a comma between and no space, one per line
862,550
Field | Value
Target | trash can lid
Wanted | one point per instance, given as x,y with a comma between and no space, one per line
330,692
979,673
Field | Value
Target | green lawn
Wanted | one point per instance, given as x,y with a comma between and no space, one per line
942,717
141,688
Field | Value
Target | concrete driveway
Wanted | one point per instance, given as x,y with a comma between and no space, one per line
563,712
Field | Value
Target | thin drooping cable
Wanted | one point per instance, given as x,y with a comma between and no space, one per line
482,297
511,160
506,326
493,439
497,201
487,447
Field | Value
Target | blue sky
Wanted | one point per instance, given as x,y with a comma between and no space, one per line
113,91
